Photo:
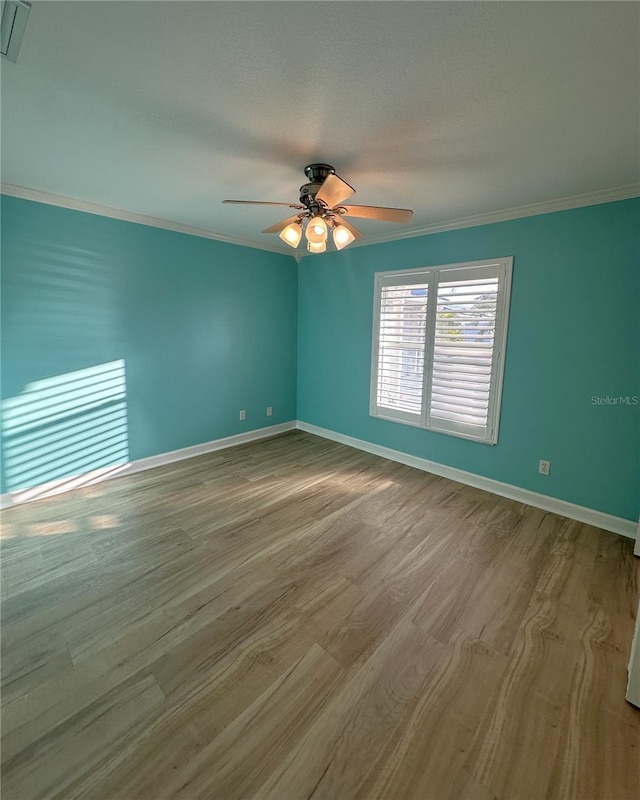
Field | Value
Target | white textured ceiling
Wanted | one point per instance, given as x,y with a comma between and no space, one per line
449,108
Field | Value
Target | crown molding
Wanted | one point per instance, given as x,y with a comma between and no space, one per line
517,212
503,215
76,204
627,192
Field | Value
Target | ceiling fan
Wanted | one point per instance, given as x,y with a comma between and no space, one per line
322,207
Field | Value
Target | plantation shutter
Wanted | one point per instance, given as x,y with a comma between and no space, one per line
400,346
439,337
464,351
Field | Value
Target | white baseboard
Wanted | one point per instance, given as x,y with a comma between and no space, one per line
118,470
598,519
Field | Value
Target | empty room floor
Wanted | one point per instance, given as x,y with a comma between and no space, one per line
297,619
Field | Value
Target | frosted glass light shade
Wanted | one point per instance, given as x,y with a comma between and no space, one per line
292,234
316,247
342,236
316,230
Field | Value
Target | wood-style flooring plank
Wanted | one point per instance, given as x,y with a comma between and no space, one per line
333,757
295,619
425,754
238,761
529,707
72,747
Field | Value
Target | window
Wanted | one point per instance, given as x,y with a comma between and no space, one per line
438,347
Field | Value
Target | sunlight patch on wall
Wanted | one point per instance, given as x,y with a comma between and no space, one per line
66,425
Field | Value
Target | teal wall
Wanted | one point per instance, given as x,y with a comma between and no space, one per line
197,330
121,341
574,333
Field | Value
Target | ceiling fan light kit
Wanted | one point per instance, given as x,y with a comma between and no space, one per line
292,234
320,207
316,230
342,236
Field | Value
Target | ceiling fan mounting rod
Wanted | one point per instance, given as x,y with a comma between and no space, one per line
318,173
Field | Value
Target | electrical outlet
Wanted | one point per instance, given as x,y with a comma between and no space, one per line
243,414
544,467
269,411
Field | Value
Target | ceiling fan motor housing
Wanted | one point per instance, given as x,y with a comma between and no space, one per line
308,193
317,174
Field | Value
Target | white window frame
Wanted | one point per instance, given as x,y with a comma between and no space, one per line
502,267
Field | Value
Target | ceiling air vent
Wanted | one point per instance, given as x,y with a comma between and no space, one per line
15,14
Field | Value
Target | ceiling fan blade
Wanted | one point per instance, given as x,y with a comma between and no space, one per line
263,203
334,190
404,215
279,226
340,220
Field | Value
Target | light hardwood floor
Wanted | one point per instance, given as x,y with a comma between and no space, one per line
296,619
